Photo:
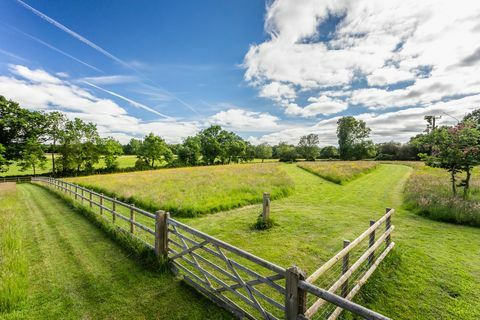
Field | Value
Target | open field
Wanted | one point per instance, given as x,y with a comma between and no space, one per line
313,221
429,193
339,171
76,272
195,190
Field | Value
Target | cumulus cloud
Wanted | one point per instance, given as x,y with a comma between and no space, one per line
40,90
431,46
246,121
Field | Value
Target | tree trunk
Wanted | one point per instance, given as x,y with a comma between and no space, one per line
33,166
466,185
263,160
454,182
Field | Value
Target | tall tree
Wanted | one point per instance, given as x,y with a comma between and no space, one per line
308,147
3,161
56,125
189,152
263,151
210,143
154,149
329,152
33,156
111,149
133,146
286,152
352,139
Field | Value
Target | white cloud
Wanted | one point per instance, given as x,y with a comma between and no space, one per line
246,121
321,105
37,76
278,92
433,43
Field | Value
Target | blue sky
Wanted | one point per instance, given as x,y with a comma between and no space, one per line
269,71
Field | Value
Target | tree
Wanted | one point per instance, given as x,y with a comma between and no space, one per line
32,156
154,149
455,149
111,149
308,147
263,151
3,161
133,146
329,152
189,152
286,152
56,125
232,147
352,135
210,143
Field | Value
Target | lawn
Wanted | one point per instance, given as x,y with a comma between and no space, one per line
195,190
433,272
339,171
429,193
66,268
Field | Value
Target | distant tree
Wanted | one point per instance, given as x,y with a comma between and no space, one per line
263,151
352,139
133,146
308,147
210,143
473,117
56,125
111,149
3,161
189,152
154,149
396,151
232,147
249,152
329,152
286,152
90,148
33,156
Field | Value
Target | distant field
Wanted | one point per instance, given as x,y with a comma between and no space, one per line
194,190
339,171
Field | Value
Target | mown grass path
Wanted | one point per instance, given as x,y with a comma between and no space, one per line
76,272
434,272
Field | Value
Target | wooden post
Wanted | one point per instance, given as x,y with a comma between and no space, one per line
387,227
132,219
161,233
101,203
295,298
114,216
345,267
76,192
371,242
90,198
83,196
266,207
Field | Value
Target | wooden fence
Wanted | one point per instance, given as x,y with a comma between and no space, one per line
16,179
244,284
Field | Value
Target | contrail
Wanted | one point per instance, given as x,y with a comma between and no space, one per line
101,50
132,102
55,49
9,54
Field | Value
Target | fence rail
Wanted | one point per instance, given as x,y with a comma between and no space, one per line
16,179
246,285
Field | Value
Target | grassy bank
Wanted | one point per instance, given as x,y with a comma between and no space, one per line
428,192
77,272
339,172
195,190
13,259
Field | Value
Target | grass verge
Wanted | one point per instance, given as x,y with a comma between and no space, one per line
339,172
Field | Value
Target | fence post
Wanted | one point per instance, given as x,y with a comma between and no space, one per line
101,203
161,233
387,226
90,198
114,216
371,242
345,267
266,207
83,196
132,219
295,298
76,191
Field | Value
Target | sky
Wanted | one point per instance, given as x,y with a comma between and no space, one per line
270,71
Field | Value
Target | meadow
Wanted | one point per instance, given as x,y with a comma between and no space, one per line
194,191
339,171
429,193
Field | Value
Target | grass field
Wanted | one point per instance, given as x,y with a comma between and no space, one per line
429,193
76,272
195,190
339,171
433,272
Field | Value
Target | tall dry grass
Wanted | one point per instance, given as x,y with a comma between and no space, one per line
339,171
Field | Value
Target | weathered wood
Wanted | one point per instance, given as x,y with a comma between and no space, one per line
101,204
371,242
83,197
266,207
132,220
161,233
315,275
387,226
90,198
295,298
345,267
114,214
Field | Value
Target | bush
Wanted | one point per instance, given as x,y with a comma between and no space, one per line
263,225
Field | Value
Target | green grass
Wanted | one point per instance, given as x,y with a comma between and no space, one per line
195,190
76,272
339,172
13,260
428,192
433,272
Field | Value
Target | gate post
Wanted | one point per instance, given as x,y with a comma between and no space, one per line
161,233
295,298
